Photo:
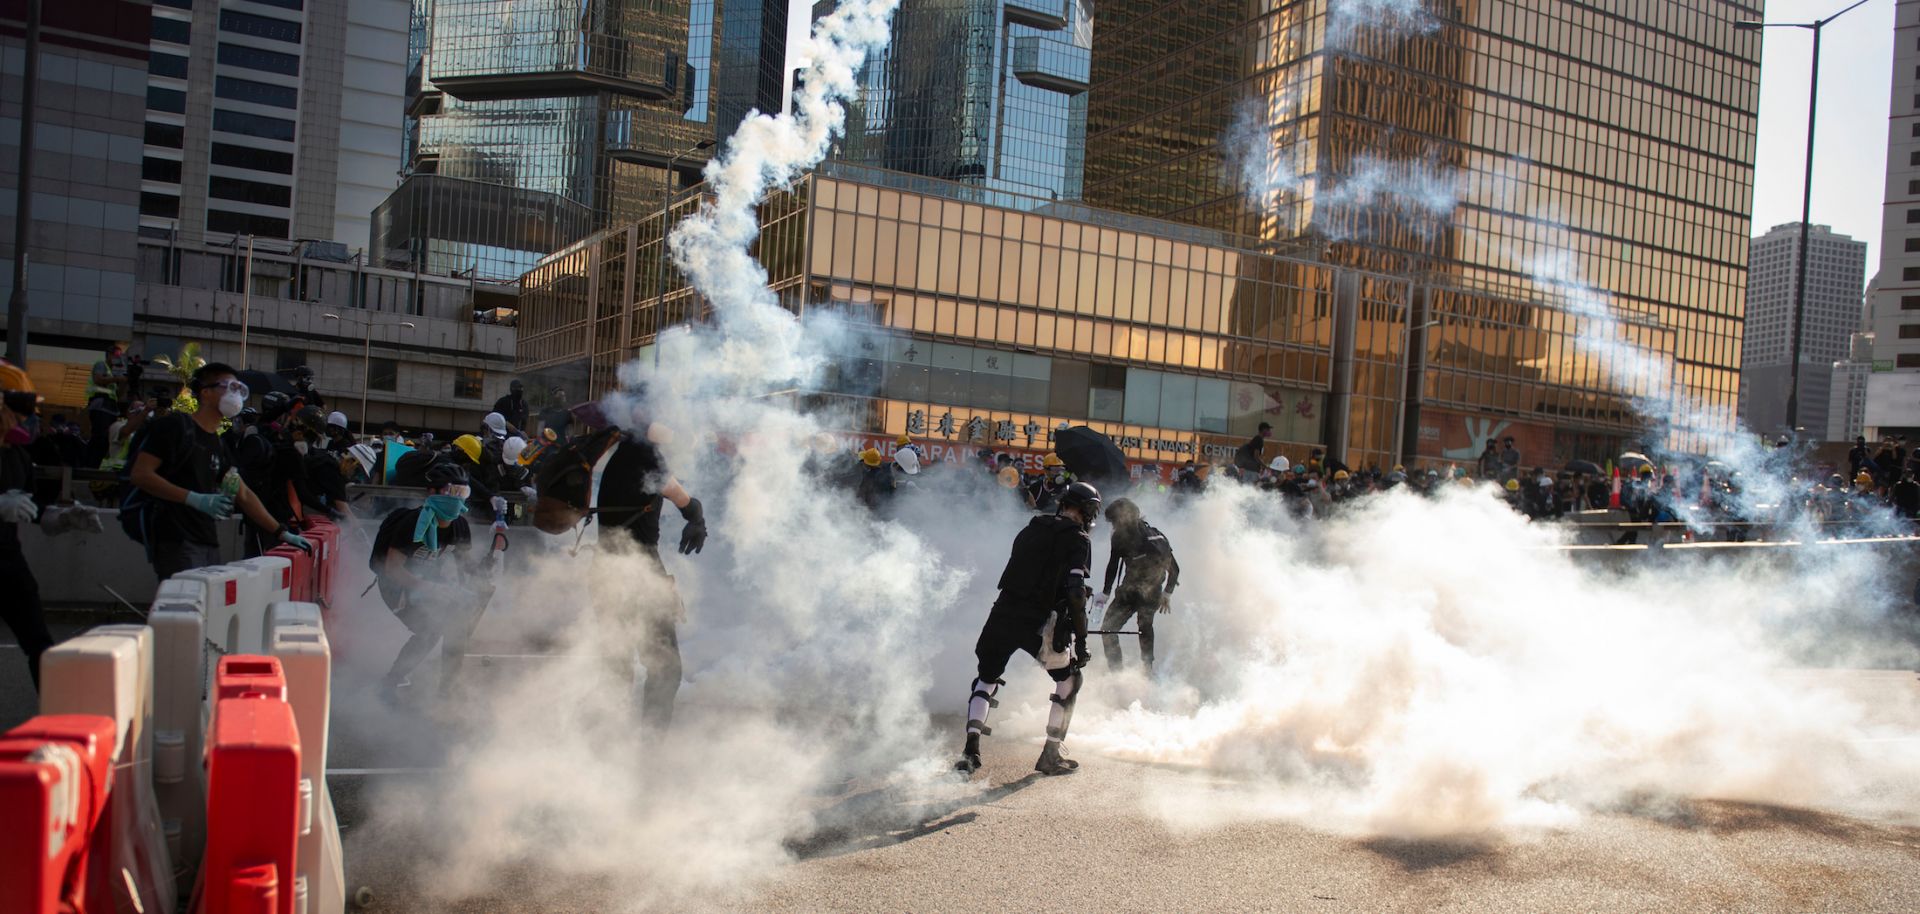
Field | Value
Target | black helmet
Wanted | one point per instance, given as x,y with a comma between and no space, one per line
308,420
1086,498
444,472
303,373
274,405
1122,511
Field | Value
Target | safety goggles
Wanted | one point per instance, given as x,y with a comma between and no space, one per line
231,384
460,492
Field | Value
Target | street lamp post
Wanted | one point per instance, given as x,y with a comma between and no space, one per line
660,266
246,302
366,359
1806,196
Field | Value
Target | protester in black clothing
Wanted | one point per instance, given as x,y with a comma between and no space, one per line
1906,496
877,482
513,407
556,416
424,566
1142,559
289,494
634,486
303,388
1251,457
1489,464
182,468
20,608
1042,609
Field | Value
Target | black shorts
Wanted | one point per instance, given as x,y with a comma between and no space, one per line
1000,638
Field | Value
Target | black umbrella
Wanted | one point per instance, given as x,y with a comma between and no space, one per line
1091,456
261,383
1584,466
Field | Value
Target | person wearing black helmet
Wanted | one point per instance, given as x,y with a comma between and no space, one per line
1042,609
303,388
417,561
1140,556
289,494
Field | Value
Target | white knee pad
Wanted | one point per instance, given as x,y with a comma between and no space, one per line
1060,716
981,704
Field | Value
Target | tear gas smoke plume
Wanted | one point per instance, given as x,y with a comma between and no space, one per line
1347,19
1414,668
1421,192
1255,159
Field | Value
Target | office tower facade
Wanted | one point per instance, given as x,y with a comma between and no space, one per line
530,126
991,93
1893,394
1501,145
278,119
85,182
1836,269
1847,397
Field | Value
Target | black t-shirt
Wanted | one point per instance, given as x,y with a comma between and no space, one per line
1051,554
630,491
194,459
396,532
513,409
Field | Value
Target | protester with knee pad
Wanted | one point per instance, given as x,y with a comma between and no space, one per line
1042,609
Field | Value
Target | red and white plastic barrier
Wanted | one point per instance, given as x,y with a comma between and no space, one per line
56,775
147,764
253,792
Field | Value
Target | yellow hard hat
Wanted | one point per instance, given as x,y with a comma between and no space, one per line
1399,468
1864,479
1513,485
1052,460
903,440
18,388
870,457
1339,475
469,446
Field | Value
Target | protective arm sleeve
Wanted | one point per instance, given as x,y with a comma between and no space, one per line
1113,568
1173,572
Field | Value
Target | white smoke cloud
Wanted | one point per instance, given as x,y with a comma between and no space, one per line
1348,19
1254,159
1421,192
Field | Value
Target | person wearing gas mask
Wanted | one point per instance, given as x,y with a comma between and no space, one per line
303,388
1142,559
1042,609
425,568
1044,491
186,471
620,481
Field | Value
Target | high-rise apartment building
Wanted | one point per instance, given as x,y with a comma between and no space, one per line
1893,394
1836,268
85,182
1847,397
1504,145
984,92
272,118
531,125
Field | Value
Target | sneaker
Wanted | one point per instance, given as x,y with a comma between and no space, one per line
968,764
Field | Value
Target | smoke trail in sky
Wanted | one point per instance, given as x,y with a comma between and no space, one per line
1416,191
1255,160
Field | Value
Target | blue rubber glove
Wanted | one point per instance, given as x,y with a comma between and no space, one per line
212,504
296,541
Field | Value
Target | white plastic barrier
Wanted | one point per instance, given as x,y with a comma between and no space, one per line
109,671
301,645
178,620
268,581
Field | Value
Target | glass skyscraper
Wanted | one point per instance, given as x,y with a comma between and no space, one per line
1470,142
991,93
532,123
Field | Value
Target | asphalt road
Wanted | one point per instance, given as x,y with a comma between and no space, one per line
1011,841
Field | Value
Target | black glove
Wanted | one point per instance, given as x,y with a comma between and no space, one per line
693,537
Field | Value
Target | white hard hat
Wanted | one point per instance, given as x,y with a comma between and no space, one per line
337,418
511,450
908,459
495,423
364,454
1280,464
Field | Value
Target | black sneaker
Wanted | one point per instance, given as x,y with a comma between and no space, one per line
968,764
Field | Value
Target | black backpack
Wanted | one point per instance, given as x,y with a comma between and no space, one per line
136,506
